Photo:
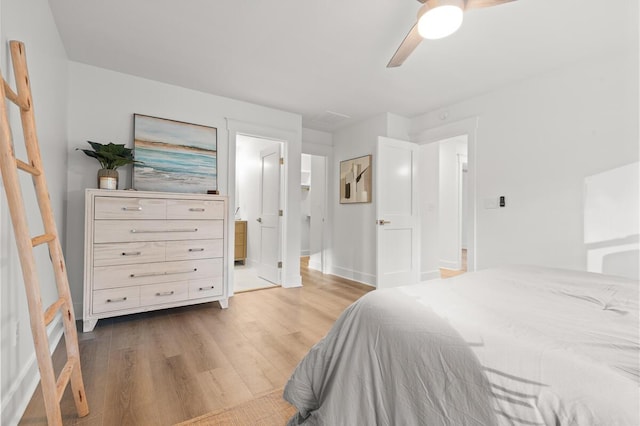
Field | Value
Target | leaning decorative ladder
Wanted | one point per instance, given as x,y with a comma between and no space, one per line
52,389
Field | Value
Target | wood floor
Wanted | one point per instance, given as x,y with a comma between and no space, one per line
164,367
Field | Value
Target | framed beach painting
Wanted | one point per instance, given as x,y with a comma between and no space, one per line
174,156
355,180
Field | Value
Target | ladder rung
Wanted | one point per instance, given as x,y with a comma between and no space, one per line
52,310
28,168
41,239
13,97
65,375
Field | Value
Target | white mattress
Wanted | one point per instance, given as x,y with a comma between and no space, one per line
553,347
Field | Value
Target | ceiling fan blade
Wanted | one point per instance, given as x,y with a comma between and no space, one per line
476,4
408,45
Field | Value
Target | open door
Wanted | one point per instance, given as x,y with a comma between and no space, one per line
269,266
318,203
397,224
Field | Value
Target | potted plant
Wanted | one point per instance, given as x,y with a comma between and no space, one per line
110,156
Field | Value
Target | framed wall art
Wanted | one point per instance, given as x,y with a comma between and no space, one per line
355,180
174,156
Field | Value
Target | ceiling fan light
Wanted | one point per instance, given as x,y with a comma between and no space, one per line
439,19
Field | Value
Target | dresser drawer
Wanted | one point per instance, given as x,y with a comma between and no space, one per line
126,253
111,231
116,299
129,208
194,249
211,287
157,294
149,273
195,209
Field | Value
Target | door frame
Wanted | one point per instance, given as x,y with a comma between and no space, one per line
290,274
469,127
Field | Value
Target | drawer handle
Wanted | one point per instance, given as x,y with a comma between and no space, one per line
206,288
196,249
132,253
151,231
165,293
122,299
132,209
156,274
196,209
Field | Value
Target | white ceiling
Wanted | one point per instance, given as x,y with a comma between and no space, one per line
313,56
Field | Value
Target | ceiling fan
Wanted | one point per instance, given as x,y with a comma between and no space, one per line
436,19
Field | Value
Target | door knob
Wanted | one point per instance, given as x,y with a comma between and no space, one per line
382,222
259,219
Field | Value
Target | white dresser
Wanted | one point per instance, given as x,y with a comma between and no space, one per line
152,250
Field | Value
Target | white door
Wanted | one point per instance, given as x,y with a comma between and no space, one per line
397,229
269,214
317,195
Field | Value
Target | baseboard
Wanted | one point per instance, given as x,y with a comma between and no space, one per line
315,265
450,264
350,274
305,253
15,401
429,275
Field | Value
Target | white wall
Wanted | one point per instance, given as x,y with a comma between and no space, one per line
612,221
536,142
316,142
397,127
101,108
32,23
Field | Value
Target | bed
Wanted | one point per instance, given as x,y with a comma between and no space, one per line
512,346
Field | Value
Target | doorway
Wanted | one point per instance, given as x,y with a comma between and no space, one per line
313,179
258,191
452,160
446,216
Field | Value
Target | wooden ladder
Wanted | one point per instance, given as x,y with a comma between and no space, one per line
52,389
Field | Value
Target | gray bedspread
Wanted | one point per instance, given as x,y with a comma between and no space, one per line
388,360
522,346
